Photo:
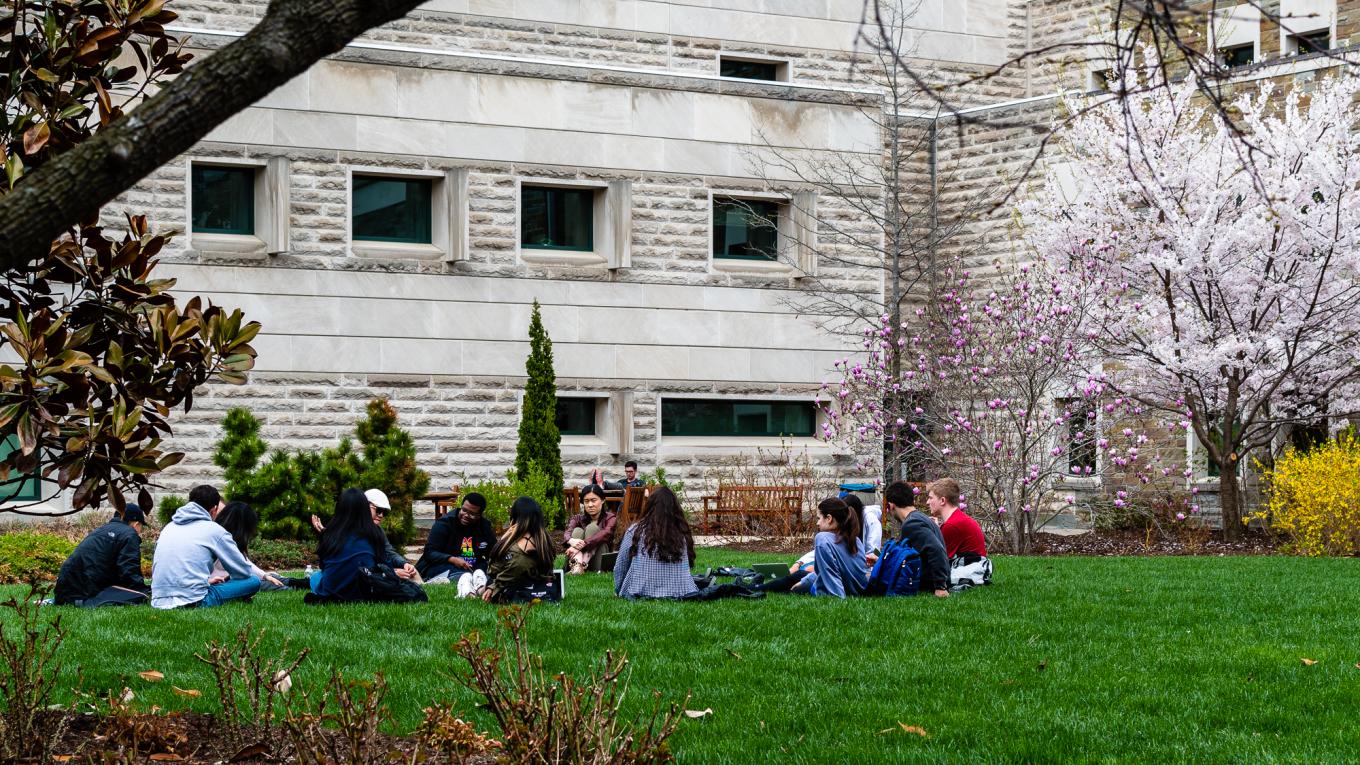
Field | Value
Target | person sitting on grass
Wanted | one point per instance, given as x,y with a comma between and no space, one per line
378,508
871,533
657,552
182,567
522,559
964,542
589,533
459,546
106,567
921,533
838,567
241,521
351,541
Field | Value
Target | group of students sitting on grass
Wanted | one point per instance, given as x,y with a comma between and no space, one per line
202,555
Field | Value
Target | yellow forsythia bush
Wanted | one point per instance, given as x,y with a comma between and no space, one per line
1314,497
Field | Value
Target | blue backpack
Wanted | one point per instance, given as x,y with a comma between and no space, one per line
897,570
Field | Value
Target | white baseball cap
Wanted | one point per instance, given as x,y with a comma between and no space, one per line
378,499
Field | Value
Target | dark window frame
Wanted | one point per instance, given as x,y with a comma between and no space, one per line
30,484
1308,43
1231,55
556,197
245,202
589,417
755,70
679,424
424,225
755,211
1081,453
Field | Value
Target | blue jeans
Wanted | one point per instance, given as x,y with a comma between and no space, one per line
232,589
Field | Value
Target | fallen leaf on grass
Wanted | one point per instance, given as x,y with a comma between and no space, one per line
192,693
695,714
127,696
734,654
913,729
1308,662
151,676
166,757
252,752
1008,681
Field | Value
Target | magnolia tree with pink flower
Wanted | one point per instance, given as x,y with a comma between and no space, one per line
996,387
1228,268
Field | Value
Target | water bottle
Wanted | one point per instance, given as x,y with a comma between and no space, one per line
307,571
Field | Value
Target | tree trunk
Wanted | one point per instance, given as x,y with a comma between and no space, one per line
1230,499
292,36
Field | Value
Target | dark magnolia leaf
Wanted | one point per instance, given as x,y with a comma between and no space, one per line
144,499
27,430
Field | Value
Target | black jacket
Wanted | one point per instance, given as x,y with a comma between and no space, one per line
924,534
451,539
109,556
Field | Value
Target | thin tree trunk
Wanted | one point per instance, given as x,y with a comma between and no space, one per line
1230,499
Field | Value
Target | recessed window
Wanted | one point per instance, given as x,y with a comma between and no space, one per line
745,229
751,70
1238,55
223,200
1312,42
768,419
1081,438
576,416
1101,80
18,487
557,219
388,209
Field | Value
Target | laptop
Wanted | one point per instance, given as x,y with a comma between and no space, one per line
608,560
771,570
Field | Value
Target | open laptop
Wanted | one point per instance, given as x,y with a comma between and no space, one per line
608,560
771,570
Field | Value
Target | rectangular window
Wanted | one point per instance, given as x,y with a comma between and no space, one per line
557,219
18,487
749,70
1081,438
1238,55
223,199
387,209
1312,42
576,416
745,229
757,419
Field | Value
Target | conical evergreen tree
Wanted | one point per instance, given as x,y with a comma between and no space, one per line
539,440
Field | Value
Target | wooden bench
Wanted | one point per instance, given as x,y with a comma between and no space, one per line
630,509
444,501
755,508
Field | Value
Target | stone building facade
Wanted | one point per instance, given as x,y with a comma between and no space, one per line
647,113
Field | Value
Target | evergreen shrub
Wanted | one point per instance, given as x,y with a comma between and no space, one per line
540,442
290,487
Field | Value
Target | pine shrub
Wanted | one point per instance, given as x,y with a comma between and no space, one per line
539,439
389,463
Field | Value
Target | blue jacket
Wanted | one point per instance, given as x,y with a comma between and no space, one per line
340,573
836,571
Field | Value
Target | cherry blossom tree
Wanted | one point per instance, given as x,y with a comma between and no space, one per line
992,383
1226,270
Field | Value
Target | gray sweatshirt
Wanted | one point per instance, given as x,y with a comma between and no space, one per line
184,558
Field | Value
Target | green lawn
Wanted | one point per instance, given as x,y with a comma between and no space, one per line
1066,659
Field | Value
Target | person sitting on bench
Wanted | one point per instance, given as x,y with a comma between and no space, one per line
657,552
590,532
181,570
105,569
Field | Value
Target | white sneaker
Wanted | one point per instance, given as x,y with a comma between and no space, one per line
478,579
465,586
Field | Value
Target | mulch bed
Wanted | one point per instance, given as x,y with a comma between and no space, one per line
196,738
1095,543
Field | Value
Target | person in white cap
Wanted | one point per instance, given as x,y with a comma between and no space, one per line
379,506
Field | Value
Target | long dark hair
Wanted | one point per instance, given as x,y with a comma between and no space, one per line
352,518
241,521
847,525
856,504
526,522
663,531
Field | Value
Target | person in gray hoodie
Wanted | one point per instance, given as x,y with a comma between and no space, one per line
182,568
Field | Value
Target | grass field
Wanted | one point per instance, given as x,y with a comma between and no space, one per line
1061,660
